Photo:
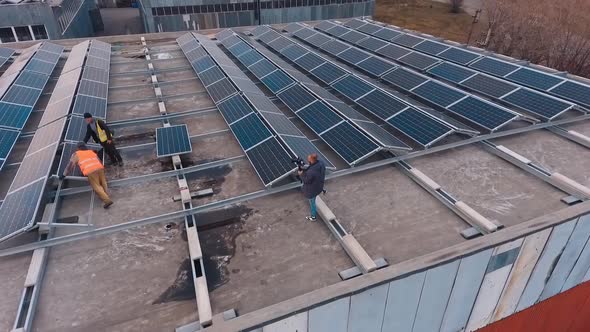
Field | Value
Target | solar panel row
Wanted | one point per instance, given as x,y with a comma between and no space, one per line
5,55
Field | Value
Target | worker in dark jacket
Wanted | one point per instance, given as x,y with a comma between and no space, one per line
313,178
100,133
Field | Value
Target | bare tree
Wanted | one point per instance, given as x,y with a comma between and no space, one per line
456,5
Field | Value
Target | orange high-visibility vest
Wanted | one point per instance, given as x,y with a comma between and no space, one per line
88,161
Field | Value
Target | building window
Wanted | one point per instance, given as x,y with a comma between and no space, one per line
6,35
23,33
167,11
39,32
174,10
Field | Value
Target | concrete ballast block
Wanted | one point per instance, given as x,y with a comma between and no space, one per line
35,267
580,136
185,196
358,254
324,211
203,303
194,247
150,66
572,184
158,92
154,79
182,184
476,218
162,107
176,160
425,179
513,154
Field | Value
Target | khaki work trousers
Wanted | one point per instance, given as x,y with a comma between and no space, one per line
98,182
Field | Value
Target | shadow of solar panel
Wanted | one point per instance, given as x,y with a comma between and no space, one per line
280,124
293,52
172,140
297,75
250,131
408,40
95,106
203,64
261,102
269,36
99,63
320,92
96,75
382,136
262,68
421,128
32,79
245,85
35,166
280,43
458,56
318,39
270,161
355,23
195,54
53,48
76,129
438,94
431,47
310,61
14,116
250,57
334,47
484,114
233,71
370,28
349,143
328,73
40,66
417,60
375,66
353,56
7,140
490,86
371,43
393,51
352,87
234,108
47,56
221,90
277,81
353,36
534,79
296,97
302,147
94,89
211,75
15,219
325,25
303,33
319,117
347,111
22,95
493,66
380,104
573,91
537,103
451,72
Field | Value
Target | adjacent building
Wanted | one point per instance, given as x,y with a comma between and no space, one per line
180,15
54,19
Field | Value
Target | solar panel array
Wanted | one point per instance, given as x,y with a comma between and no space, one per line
325,122
482,67
268,157
29,182
5,55
490,117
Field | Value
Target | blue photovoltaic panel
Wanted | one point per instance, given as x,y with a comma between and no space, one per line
451,72
430,47
355,23
22,95
319,117
76,129
353,36
309,61
250,57
353,55
238,48
211,75
277,81
225,34
393,51
304,33
262,68
420,127
280,124
261,103
337,30
173,140
352,87
370,28
493,66
348,111
296,97
7,140
574,91
407,40
328,73
375,66
32,79
490,86
196,54
220,90
234,108
318,39
53,48
13,218
203,64
418,60
302,147
293,52
386,33
46,56
534,79
14,116
95,106
381,135
334,47
92,88
34,166
404,79
349,143
99,53
371,43
438,94
482,113
95,74
97,63
536,103
269,36
40,66
6,52
381,104
250,131
458,56
270,160
259,30
280,43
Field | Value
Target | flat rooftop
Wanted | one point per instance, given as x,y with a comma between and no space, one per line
260,251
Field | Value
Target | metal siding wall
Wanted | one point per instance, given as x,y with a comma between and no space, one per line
331,317
469,278
295,323
366,310
402,303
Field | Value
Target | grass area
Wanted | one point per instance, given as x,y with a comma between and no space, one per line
429,17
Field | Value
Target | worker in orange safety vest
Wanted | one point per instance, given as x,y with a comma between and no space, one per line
93,169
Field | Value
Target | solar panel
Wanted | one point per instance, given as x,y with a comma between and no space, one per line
573,91
14,116
22,95
482,113
280,124
211,75
381,104
349,143
98,63
7,140
14,218
431,47
250,131
238,48
101,45
493,66
381,135
296,97
370,28
196,54
32,79
293,52
248,58
231,41
393,51
408,40
309,61
94,89
221,89
172,140
334,47
534,79
319,117
537,103
353,55
386,34
337,30
76,129
226,33
451,72
418,60
34,166
67,152
47,135
277,81
262,68
268,36
419,127
96,75
404,79
325,25
352,87
234,108
328,73
318,39
348,111
302,147
40,66
320,92
270,160
355,23
292,27
489,85
245,84
304,33
56,110
46,56
76,57
280,43
6,52
87,104
375,66
458,56
371,43
189,46
438,94
203,64
261,103
53,48
353,36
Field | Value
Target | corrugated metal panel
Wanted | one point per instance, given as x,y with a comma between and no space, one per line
402,303
295,323
366,310
330,317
